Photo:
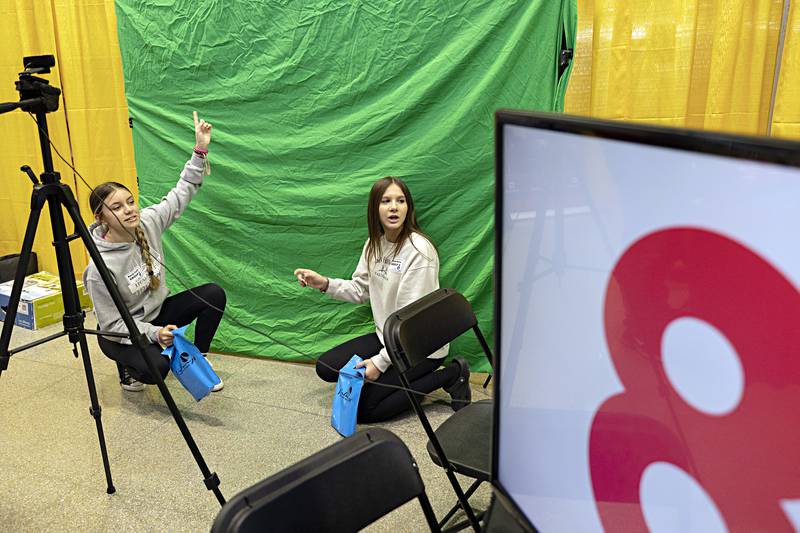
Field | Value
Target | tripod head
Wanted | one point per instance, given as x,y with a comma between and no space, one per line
38,97
36,94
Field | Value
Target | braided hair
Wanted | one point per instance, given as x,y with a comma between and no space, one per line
144,246
96,199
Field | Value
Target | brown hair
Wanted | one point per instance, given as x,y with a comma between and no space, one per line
96,203
374,225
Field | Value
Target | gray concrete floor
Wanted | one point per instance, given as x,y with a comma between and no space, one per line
269,416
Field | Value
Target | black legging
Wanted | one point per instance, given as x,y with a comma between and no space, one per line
180,310
381,403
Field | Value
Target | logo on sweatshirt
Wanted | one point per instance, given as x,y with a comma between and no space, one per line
382,268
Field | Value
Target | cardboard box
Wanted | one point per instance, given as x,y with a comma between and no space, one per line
40,304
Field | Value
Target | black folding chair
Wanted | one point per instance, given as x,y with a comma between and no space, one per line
463,442
344,487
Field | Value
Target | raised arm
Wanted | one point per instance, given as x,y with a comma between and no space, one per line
172,206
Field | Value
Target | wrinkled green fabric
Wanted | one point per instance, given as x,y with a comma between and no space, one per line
311,102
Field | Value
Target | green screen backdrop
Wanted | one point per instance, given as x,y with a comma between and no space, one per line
311,102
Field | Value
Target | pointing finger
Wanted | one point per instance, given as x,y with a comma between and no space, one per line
196,122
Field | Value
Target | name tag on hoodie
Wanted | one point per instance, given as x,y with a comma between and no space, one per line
138,280
396,265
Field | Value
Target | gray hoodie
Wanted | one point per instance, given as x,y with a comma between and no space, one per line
124,261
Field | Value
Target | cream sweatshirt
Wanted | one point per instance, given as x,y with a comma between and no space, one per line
390,283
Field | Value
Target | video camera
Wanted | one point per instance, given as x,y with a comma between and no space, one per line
36,94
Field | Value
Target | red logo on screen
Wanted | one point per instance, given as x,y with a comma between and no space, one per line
748,460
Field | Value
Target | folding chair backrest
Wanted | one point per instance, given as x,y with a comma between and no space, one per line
417,330
344,487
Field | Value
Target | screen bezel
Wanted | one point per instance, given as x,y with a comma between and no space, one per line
763,149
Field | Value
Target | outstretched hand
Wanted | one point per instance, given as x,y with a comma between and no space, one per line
309,278
202,132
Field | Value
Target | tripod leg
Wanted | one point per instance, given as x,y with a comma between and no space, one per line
19,278
73,315
94,408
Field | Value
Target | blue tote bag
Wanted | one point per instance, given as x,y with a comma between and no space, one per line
345,400
189,366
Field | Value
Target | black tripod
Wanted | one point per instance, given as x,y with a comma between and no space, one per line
40,98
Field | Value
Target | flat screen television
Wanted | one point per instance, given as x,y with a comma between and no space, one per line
647,327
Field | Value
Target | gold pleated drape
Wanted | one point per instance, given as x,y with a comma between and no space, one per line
90,128
706,64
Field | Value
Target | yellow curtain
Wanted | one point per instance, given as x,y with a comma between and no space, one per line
90,128
786,116
706,64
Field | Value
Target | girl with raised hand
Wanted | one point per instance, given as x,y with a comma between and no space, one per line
398,265
129,240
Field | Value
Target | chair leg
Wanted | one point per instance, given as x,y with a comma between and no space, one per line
450,514
463,524
462,500
472,488
427,509
440,452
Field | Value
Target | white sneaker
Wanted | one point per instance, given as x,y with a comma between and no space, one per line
219,386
